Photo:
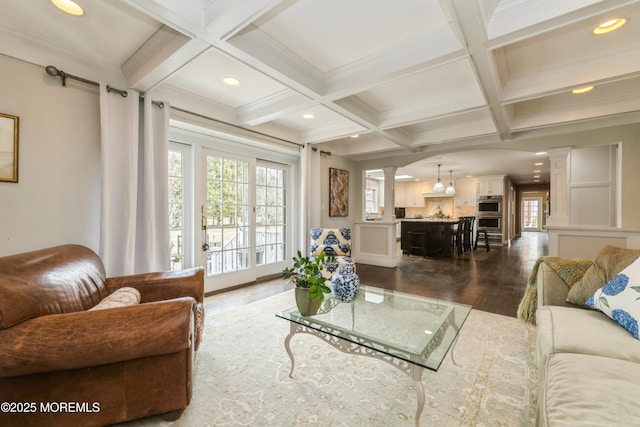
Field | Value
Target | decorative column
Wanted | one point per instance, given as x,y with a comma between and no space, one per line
559,187
389,194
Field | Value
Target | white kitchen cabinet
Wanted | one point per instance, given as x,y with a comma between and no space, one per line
415,199
465,192
400,192
409,194
490,186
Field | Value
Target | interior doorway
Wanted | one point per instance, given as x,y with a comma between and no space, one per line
531,214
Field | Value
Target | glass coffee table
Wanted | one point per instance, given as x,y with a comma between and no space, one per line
410,332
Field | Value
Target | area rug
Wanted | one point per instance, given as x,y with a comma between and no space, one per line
242,377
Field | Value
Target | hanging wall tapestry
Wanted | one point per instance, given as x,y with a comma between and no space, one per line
8,148
338,192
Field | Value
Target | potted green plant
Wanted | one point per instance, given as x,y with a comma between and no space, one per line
306,275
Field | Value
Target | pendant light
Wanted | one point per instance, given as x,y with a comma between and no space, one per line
439,185
450,190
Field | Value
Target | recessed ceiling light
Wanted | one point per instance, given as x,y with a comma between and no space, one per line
541,153
538,164
354,136
537,171
582,90
608,26
308,116
231,81
536,176
68,6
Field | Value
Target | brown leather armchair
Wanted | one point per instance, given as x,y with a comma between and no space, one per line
62,364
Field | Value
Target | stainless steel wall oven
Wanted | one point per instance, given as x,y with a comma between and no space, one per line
490,223
490,206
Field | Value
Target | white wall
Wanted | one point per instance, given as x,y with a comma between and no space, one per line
355,193
630,156
592,186
57,198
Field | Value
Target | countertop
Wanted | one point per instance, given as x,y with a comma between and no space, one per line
430,219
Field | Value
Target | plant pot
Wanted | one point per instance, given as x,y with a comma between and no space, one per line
306,305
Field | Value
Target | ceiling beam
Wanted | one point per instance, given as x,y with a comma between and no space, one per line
274,107
467,17
185,16
413,56
161,56
225,18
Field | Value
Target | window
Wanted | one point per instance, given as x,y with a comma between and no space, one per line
271,218
374,193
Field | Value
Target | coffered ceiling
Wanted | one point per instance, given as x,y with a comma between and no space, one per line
413,79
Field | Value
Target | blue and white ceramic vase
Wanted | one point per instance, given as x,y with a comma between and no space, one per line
345,284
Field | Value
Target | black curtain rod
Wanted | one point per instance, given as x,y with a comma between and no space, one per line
54,72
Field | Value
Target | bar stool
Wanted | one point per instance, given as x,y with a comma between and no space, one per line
458,236
486,239
419,240
468,233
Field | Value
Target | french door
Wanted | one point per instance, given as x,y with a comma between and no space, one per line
244,230
272,216
531,214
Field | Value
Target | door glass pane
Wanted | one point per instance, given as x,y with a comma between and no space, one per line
176,210
227,215
270,215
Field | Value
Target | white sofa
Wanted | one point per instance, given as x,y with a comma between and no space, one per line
588,365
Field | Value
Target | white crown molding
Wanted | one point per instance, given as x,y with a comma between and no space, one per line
225,18
583,111
262,51
457,101
511,16
274,107
354,108
553,20
422,52
331,132
19,45
541,82
464,130
157,59
185,16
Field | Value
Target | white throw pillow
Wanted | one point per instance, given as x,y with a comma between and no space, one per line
620,298
122,297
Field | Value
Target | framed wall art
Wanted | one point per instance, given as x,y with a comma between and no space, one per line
8,148
338,192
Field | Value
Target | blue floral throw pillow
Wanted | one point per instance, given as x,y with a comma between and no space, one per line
620,298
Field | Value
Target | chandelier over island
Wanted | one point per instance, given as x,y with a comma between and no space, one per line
450,189
439,185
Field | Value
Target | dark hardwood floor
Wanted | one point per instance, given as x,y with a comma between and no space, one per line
491,281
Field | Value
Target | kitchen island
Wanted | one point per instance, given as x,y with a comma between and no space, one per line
433,233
